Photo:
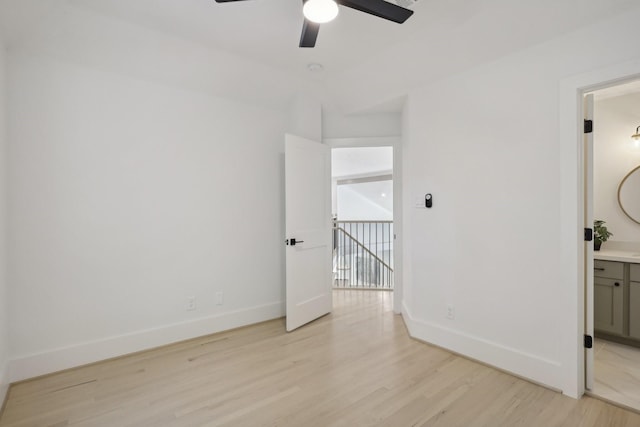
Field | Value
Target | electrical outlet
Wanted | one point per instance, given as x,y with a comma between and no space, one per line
451,312
219,298
191,303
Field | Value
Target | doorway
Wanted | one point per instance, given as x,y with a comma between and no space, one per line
616,268
396,143
362,209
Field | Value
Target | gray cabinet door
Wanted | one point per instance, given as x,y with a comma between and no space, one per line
608,301
634,272
634,310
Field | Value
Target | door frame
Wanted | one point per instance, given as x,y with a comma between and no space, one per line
396,143
572,91
588,103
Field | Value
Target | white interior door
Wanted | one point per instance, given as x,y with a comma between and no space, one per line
588,246
308,229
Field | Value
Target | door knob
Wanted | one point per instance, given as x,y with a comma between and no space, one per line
293,242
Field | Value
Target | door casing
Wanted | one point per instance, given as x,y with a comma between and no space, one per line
572,182
396,143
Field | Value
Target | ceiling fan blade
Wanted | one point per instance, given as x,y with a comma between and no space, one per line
309,33
379,8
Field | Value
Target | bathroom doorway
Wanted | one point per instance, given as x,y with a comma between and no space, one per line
610,158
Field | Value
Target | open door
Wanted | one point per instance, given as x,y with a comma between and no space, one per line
588,245
308,230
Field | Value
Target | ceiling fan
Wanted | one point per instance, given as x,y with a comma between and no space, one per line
318,12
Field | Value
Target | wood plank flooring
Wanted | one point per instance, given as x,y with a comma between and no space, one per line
355,367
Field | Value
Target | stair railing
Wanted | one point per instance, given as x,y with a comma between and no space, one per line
363,254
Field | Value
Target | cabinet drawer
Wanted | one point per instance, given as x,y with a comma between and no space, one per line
609,269
635,272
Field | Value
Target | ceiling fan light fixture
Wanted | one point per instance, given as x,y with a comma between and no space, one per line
320,11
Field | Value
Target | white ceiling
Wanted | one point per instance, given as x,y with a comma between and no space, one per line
249,49
267,31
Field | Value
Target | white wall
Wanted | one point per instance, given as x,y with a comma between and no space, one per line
126,198
337,125
4,302
305,117
616,120
369,201
486,143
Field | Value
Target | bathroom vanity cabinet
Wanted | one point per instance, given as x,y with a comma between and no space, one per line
634,301
617,300
608,296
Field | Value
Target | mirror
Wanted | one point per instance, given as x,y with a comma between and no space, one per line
629,195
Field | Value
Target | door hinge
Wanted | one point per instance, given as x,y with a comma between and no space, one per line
588,234
588,341
588,126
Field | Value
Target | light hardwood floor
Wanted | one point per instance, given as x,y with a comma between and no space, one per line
617,373
355,367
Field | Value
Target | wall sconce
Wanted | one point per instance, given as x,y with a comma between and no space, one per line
636,138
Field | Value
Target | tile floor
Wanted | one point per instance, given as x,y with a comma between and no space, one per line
617,373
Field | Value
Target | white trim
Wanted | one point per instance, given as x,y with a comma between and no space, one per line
396,143
89,352
370,141
546,372
571,213
398,233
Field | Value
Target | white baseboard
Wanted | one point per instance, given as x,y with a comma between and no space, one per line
528,366
30,366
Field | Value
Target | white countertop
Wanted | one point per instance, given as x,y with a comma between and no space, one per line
617,255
